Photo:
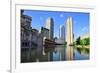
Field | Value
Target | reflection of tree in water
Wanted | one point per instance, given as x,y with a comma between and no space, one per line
36,54
83,50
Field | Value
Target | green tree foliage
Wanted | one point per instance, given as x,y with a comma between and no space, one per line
78,41
85,41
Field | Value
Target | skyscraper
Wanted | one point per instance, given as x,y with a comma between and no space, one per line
70,50
50,26
62,32
69,31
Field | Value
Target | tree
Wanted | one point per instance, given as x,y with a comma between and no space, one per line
87,41
83,42
78,41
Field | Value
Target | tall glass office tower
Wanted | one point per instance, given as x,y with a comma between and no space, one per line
50,26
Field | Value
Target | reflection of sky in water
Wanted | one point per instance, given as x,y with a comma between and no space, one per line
59,53
79,56
56,56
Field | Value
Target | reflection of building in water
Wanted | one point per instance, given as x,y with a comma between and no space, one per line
61,50
50,26
70,51
57,54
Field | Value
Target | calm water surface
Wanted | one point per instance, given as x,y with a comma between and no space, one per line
57,53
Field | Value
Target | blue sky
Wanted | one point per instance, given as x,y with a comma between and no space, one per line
80,21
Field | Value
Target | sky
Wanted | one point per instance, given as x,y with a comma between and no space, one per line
81,25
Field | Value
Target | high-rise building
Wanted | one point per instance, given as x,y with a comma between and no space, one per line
70,50
50,26
62,32
69,31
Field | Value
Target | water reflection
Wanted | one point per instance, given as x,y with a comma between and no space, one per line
55,53
70,53
81,53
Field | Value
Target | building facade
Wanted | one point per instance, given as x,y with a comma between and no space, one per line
70,31
30,38
62,32
70,39
45,32
25,37
50,26
26,31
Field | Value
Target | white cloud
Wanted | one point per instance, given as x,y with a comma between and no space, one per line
61,15
84,29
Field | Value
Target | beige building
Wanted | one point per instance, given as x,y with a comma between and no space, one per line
70,39
69,31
